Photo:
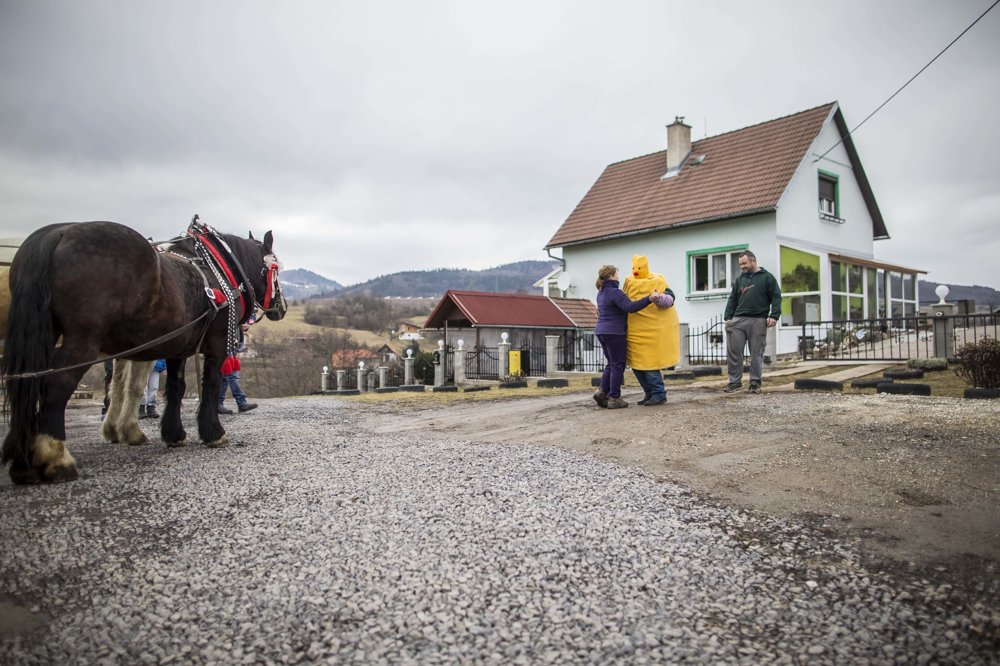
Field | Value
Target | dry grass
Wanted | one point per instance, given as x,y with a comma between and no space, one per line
943,384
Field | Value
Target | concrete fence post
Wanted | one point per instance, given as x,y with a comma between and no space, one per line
324,380
408,368
439,361
361,375
551,350
685,346
458,359
504,353
383,376
341,380
944,330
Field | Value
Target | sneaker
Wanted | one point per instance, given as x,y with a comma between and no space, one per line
151,413
616,403
142,412
247,406
225,410
655,401
733,387
601,399
754,387
644,400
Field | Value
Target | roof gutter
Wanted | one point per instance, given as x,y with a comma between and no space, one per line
676,225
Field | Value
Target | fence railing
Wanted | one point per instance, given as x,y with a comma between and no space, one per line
895,338
584,354
707,345
483,363
535,360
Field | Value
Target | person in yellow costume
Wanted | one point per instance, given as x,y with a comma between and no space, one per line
654,334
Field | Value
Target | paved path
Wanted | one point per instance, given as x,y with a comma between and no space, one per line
855,370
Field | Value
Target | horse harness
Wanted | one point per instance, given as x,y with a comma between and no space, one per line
202,247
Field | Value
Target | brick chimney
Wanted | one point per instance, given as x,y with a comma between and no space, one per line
678,143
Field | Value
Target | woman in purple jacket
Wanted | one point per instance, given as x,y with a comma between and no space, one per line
613,307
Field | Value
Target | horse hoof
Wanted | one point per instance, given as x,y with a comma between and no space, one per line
61,474
139,441
178,444
24,476
219,443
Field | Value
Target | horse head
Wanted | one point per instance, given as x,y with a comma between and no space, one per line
261,267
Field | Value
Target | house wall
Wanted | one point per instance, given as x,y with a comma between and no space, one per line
668,254
798,217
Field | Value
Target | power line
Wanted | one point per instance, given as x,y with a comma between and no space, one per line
910,81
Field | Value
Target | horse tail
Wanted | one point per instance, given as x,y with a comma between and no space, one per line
29,344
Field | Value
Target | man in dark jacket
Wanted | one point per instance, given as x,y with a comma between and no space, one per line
753,307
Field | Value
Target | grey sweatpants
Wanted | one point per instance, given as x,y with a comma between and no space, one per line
741,331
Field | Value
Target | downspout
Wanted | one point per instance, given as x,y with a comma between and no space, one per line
559,259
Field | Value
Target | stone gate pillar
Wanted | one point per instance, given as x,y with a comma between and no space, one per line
551,349
504,354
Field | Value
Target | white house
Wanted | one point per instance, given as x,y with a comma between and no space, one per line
792,190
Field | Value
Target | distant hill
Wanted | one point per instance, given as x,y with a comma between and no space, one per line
508,278
299,283
986,298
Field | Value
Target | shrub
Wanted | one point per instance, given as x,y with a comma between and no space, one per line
979,363
928,364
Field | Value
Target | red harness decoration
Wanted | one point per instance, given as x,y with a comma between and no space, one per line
272,275
225,269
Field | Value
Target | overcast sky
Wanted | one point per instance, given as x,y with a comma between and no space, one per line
374,137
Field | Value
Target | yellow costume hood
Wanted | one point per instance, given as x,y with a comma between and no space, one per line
654,333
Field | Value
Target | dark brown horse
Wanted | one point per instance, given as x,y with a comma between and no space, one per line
106,291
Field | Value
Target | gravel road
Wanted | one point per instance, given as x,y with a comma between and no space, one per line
315,537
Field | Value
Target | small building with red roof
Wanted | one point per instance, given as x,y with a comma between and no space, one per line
479,319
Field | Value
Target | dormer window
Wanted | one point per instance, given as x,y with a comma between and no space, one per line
829,197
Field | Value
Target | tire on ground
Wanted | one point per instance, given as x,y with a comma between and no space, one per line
982,394
818,385
904,374
869,383
893,388
706,370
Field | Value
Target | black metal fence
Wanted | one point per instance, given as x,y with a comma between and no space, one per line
483,363
533,361
896,338
707,345
580,354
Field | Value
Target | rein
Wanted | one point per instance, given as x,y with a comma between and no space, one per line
128,352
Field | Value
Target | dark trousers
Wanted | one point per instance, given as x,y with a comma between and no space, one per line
742,332
614,369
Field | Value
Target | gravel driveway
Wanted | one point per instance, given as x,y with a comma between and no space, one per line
317,538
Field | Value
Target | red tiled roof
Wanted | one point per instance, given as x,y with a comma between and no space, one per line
477,308
744,172
580,310
348,358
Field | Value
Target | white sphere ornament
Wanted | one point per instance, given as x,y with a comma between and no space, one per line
503,337
461,343
942,291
